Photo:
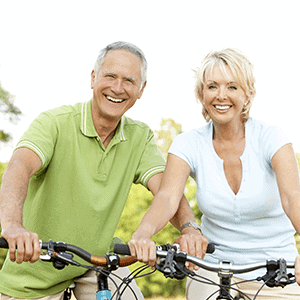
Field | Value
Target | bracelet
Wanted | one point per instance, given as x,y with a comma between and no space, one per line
191,224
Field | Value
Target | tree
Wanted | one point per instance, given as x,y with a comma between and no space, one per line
8,109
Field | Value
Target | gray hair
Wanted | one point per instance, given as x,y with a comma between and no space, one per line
123,46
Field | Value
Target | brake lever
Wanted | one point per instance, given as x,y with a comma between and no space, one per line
170,267
277,274
282,276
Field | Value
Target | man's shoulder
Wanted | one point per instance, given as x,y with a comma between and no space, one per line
136,128
65,110
134,123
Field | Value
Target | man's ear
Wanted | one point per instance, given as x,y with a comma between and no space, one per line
142,90
93,78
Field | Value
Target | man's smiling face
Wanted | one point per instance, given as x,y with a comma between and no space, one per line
118,84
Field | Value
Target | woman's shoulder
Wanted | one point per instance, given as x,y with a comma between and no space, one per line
196,133
266,138
261,128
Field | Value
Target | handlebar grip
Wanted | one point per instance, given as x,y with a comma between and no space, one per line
3,243
124,249
121,249
210,248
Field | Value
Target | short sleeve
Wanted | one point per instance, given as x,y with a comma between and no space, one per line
183,148
273,139
41,138
151,162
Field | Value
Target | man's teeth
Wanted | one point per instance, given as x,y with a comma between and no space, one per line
114,99
222,107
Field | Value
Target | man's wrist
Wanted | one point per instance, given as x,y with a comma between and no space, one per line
194,225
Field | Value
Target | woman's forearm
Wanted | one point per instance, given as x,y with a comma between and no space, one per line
157,217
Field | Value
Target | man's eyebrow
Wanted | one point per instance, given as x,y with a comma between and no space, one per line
110,73
130,78
125,77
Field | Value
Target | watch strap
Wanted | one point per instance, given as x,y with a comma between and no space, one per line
191,224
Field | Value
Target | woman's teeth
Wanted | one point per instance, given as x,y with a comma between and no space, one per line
222,107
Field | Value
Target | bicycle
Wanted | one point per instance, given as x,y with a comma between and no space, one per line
56,252
172,265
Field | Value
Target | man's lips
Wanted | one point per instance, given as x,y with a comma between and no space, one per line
114,100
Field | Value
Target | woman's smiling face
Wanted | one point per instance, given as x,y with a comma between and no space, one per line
223,96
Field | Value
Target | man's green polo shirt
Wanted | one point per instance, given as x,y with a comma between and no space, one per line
80,191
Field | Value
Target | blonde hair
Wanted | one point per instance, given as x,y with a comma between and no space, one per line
241,69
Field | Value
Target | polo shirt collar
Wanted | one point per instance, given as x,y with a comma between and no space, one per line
87,125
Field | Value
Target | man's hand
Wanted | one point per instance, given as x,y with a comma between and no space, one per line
25,241
143,249
297,269
193,243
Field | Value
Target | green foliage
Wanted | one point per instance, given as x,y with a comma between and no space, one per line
164,137
7,108
2,169
2,251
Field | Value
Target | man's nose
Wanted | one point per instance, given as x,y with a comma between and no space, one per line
117,86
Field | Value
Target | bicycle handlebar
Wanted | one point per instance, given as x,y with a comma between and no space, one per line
88,257
124,249
173,265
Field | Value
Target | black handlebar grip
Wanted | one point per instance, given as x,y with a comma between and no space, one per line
210,248
3,243
121,249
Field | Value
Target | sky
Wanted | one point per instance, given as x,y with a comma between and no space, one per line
48,50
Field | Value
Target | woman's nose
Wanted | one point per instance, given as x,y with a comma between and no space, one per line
222,95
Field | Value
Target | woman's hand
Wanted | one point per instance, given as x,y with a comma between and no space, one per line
193,243
143,249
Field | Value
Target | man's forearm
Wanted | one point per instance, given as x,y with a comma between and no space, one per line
12,195
183,215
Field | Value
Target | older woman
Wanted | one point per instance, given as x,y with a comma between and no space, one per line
247,180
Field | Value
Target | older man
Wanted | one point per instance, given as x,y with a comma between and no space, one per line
74,166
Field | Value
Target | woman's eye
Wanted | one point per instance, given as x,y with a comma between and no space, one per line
210,87
232,87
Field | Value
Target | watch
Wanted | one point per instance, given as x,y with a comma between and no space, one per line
191,224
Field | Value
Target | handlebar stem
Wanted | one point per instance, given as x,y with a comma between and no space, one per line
225,269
